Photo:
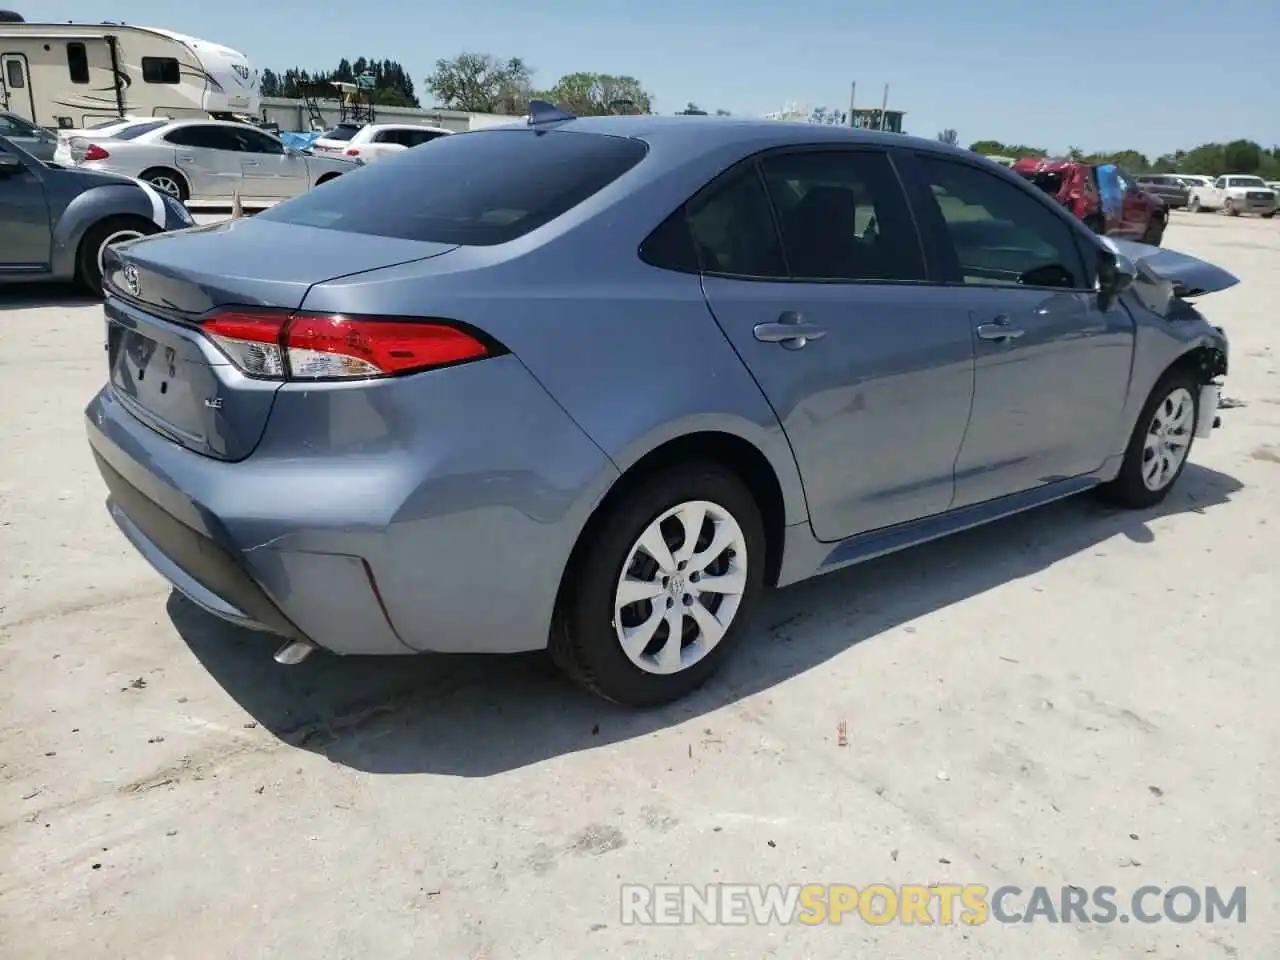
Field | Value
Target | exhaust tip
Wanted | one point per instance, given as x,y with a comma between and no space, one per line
295,651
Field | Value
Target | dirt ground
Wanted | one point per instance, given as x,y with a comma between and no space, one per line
1074,697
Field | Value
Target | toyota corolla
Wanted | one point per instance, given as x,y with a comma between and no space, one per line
591,384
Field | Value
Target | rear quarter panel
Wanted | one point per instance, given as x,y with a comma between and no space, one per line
630,351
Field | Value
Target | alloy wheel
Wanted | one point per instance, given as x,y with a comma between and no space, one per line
1168,439
680,587
166,184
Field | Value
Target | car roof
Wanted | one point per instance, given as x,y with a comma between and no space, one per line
697,132
407,125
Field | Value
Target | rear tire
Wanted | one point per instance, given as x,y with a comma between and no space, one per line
1160,446
1268,216
168,181
100,236
621,649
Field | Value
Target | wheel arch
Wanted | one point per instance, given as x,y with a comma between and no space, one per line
86,211
728,450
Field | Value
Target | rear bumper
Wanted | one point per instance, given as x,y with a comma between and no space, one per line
428,513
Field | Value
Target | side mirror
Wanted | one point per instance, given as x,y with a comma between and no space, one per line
292,151
10,165
1116,274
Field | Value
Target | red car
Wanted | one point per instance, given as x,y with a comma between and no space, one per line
1106,198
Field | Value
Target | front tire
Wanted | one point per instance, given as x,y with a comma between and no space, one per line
1161,443
1193,205
1229,208
656,600
94,243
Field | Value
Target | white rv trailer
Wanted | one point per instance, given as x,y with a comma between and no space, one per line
73,75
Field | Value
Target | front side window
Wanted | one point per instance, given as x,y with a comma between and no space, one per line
1001,235
843,216
77,63
733,231
161,70
480,188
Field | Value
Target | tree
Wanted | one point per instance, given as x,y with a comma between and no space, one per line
481,83
995,148
1241,156
594,94
949,136
391,83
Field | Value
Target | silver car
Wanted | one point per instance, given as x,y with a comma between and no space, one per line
209,160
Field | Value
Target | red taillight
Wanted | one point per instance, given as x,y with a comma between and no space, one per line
352,152
283,346
95,152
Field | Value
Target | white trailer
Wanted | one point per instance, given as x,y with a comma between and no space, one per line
74,75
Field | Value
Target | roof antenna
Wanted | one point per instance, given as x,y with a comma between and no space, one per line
540,111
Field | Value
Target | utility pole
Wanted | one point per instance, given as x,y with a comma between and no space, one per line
853,88
884,105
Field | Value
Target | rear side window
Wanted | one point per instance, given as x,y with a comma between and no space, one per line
344,131
78,63
733,229
475,189
843,216
138,129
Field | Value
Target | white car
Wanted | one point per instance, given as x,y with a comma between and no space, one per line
209,161
373,141
1234,195
107,128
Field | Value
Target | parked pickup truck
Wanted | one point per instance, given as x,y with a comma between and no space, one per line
1171,189
1234,195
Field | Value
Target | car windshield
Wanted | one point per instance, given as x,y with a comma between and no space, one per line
476,189
1247,182
343,131
138,129
105,123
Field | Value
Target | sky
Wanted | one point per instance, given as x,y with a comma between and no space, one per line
1151,76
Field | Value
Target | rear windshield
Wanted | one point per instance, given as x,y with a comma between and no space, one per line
344,132
1050,183
476,189
138,129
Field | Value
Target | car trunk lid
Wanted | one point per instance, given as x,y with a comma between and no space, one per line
166,371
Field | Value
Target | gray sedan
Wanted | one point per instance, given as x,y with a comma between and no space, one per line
56,224
209,160
591,384
37,141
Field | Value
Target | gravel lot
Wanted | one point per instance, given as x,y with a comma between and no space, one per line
1078,696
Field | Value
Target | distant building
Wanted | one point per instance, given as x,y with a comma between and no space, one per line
868,118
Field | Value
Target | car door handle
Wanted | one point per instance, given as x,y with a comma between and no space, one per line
791,330
182,159
999,330
253,163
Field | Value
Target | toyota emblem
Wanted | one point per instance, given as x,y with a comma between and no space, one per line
131,279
